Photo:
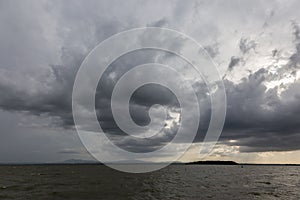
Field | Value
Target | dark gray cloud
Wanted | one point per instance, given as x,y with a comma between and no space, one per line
246,45
258,118
141,101
233,62
261,118
295,58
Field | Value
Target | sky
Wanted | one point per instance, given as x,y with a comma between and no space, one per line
254,44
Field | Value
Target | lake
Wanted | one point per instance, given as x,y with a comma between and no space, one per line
172,182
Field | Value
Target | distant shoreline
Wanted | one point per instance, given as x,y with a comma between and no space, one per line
145,163
235,163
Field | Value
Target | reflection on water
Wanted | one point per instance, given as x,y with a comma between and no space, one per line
173,182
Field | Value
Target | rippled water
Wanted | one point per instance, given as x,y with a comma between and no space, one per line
173,182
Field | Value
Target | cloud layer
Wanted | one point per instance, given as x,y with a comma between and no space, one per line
255,45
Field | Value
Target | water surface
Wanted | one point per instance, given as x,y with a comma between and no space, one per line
173,182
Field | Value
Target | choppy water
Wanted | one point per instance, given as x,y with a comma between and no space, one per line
173,182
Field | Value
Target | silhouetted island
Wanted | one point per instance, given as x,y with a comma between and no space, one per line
217,162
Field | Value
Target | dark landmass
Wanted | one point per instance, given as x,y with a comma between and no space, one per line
216,162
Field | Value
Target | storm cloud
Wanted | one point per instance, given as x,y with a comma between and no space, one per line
40,57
